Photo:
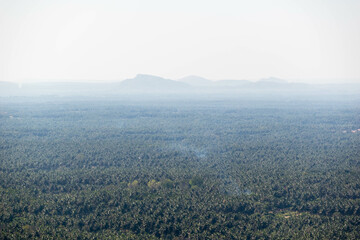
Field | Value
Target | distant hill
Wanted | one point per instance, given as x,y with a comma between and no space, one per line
234,83
144,82
195,81
150,85
272,80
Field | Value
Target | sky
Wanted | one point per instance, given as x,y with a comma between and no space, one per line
307,40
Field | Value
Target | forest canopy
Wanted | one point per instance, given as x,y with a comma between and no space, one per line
205,169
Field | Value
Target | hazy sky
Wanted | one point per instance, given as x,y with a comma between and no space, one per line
227,39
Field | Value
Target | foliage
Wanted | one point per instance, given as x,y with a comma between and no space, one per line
91,169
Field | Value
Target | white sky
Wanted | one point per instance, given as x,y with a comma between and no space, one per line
224,39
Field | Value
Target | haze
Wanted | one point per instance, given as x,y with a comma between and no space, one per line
309,41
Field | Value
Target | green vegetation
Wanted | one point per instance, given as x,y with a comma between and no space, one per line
91,169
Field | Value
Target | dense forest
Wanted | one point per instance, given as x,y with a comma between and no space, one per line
206,169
